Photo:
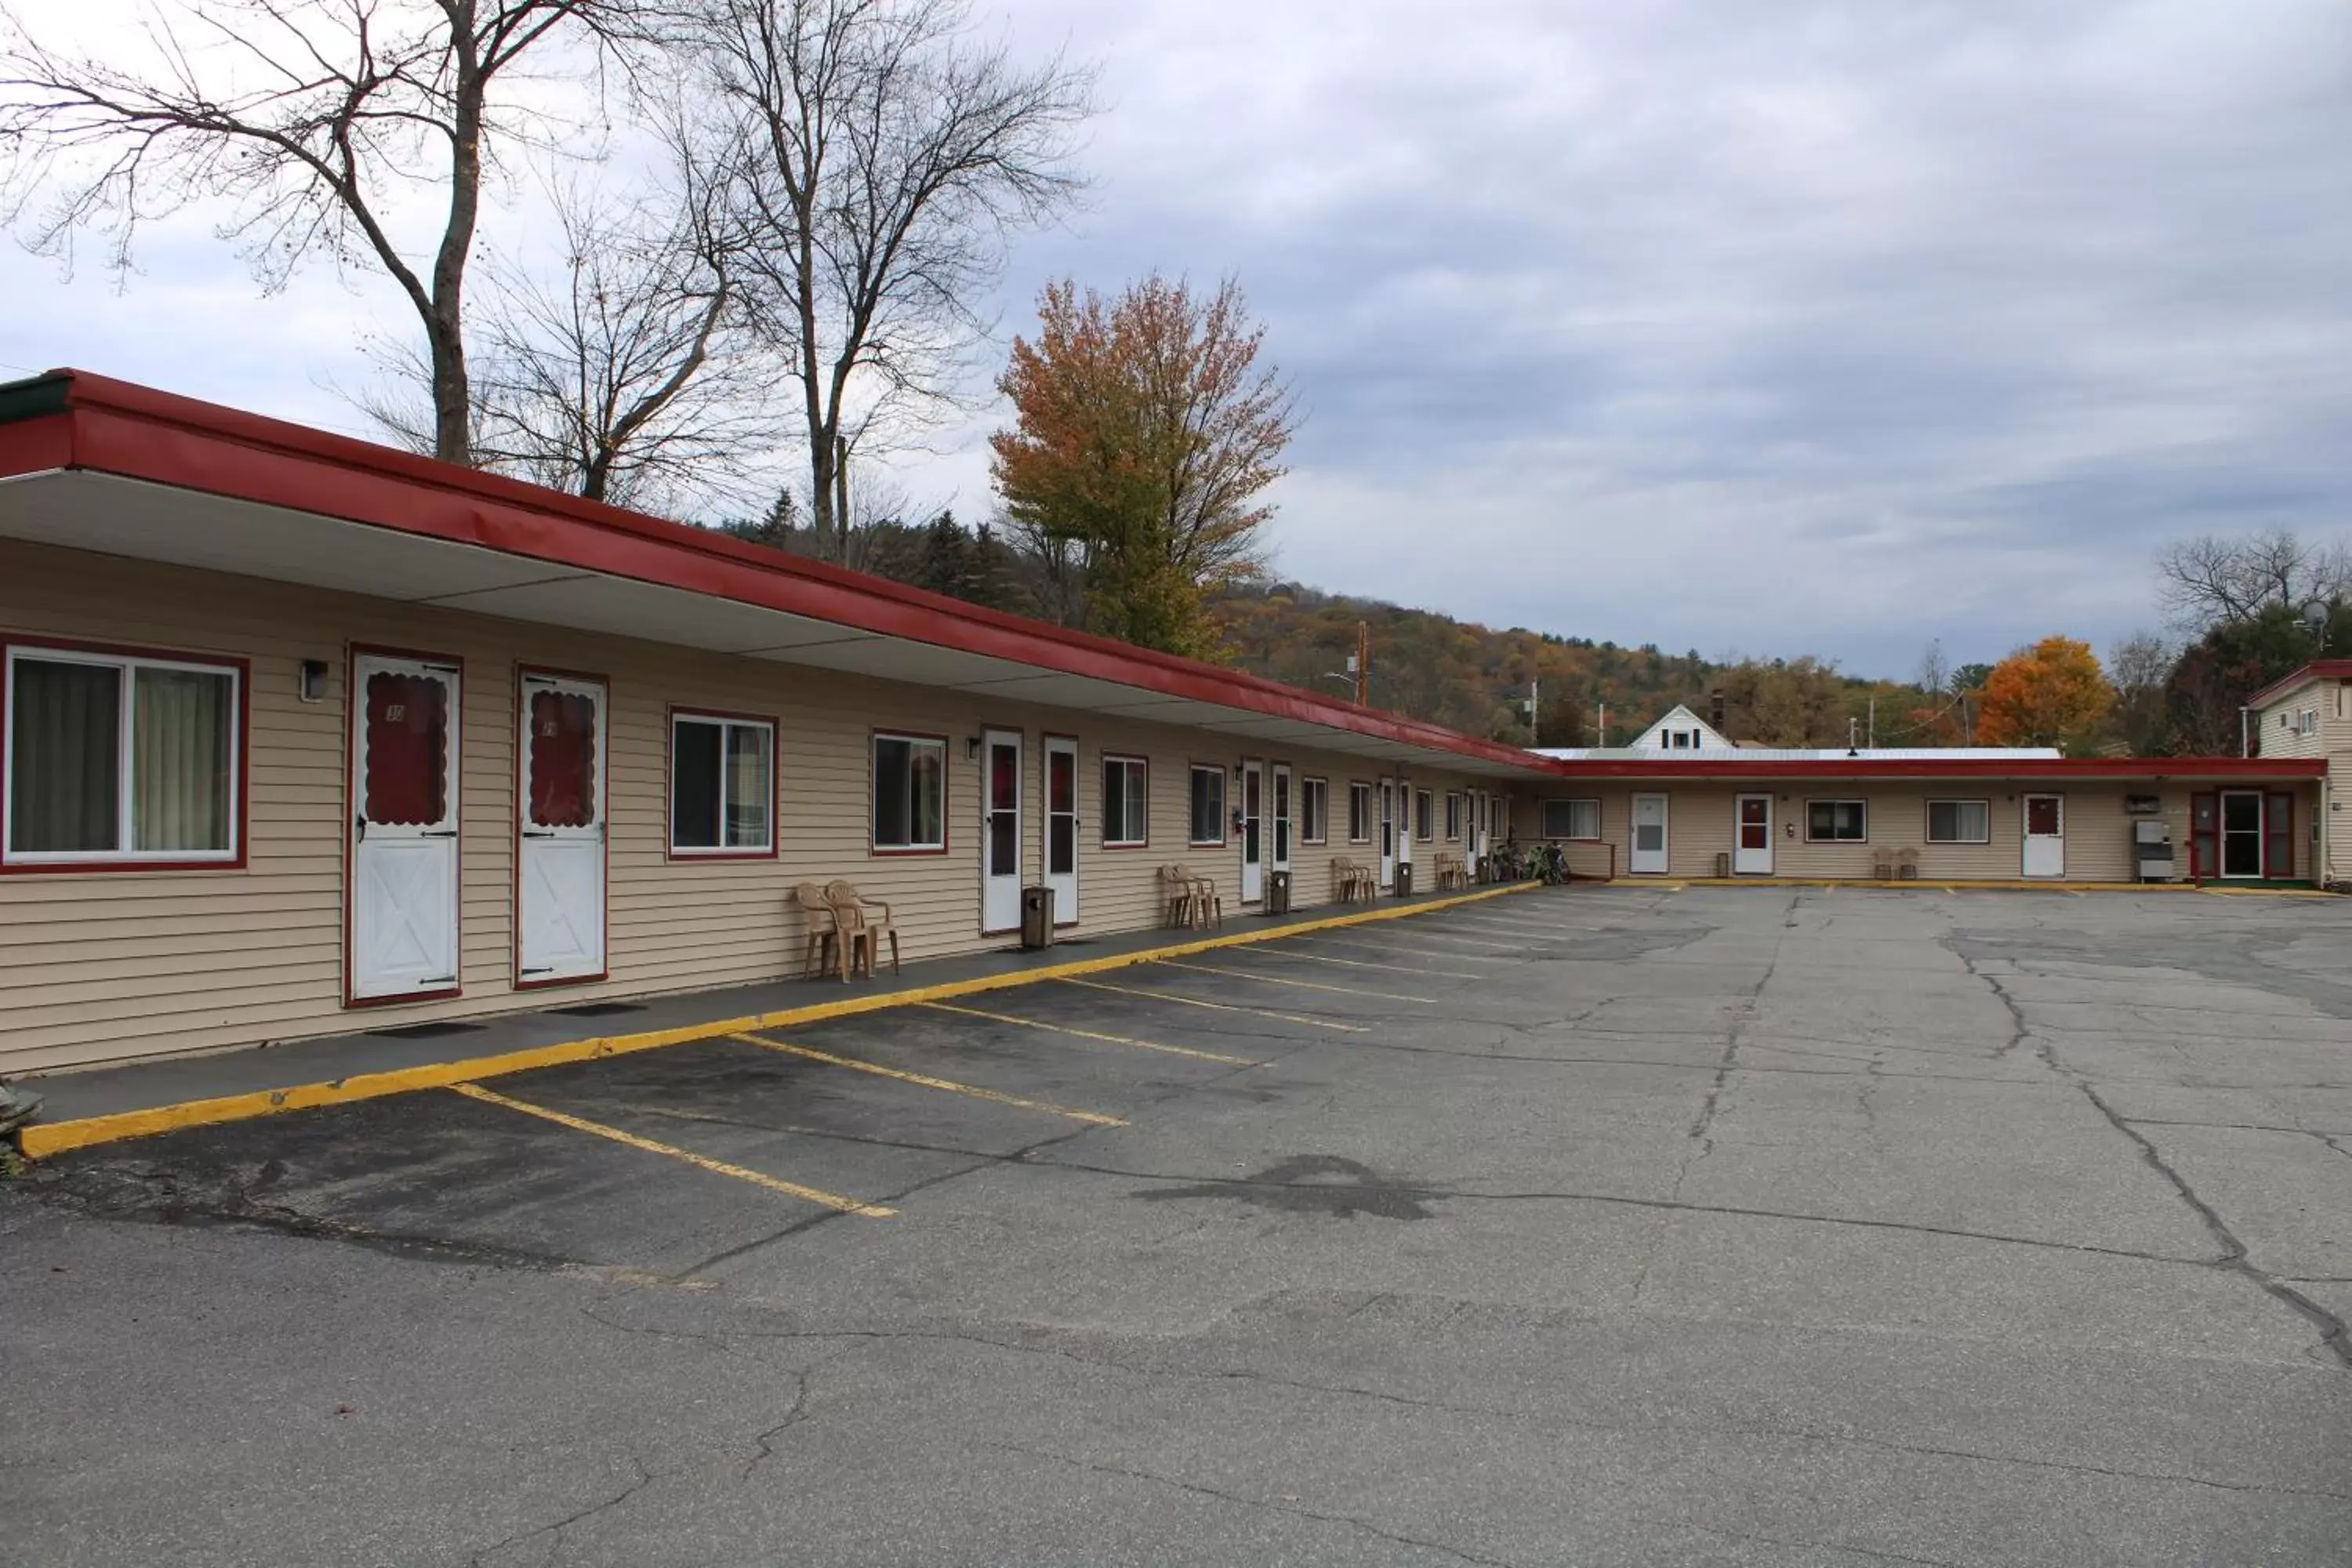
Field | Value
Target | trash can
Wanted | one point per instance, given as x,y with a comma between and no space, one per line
1722,864
1404,880
1277,892
1036,917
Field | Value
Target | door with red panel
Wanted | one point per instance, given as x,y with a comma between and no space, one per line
400,896
1000,830
560,843
1751,853
1062,826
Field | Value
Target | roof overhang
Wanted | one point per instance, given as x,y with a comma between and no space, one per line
89,463
2317,670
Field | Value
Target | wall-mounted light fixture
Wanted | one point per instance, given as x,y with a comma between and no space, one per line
1237,773
972,748
312,681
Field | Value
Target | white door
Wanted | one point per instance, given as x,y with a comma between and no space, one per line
1649,855
1000,830
1751,855
1388,833
1285,806
560,870
1479,811
1403,823
2045,835
1062,826
403,894
1253,832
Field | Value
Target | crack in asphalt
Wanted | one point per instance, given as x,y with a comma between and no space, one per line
1549,1417
555,1531
1874,1554
1271,1505
2333,1338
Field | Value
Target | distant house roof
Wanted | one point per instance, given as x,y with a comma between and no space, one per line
2318,669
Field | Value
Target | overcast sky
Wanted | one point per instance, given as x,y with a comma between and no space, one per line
1824,327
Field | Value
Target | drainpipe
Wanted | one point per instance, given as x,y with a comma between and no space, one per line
2245,737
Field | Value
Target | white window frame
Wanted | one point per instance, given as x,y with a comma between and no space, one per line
947,795
1982,803
126,804
1191,815
722,722
1452,817
1357,790
1138,833
1860,805
1315,810
1572,802
1425,817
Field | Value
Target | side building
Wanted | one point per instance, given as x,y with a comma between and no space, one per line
303,735
1703,807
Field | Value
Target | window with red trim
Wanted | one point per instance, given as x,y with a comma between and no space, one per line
121,759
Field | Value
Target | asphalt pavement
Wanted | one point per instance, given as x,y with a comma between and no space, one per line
1590,1226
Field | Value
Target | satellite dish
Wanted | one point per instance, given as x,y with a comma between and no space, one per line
2315,615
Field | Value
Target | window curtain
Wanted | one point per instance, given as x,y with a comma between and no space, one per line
180,748
748,792
65,724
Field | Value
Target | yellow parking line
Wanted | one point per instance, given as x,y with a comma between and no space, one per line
1362,963
1219,1006
1301,984
758,1179
1395,948
1091,1035
1471,940
927,1081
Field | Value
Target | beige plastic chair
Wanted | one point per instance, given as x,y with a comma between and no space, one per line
824,930
1176,893
856,916
1906,865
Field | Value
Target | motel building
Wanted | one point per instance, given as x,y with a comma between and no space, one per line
304,736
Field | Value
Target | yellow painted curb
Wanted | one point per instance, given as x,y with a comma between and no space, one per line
43,1138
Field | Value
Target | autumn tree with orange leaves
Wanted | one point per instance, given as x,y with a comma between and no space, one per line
2051,694
1145,433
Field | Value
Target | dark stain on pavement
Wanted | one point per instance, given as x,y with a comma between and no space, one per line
1308,1184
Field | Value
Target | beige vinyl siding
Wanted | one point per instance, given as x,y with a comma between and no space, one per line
2333,741
101,966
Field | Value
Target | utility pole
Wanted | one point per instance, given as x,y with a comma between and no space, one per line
1600,728
1873,721
1363,665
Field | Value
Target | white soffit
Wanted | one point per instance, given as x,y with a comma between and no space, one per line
132,518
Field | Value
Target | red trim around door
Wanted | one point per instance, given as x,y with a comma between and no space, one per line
353,653
605,809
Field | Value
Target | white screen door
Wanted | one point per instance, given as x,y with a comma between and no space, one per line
1649,854
1000,830
1388,833
560,869
1253,832
1752,855
2045,835
403,896
1283,807
1062,826
1404,823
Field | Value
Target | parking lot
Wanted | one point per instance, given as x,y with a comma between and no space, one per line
1592,1226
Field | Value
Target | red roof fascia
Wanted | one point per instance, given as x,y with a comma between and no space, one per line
137,432
2060,768
2318,669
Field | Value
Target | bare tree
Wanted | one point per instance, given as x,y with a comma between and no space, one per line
2141,667
891,153
313,120
2212,579
628,376
1935,674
